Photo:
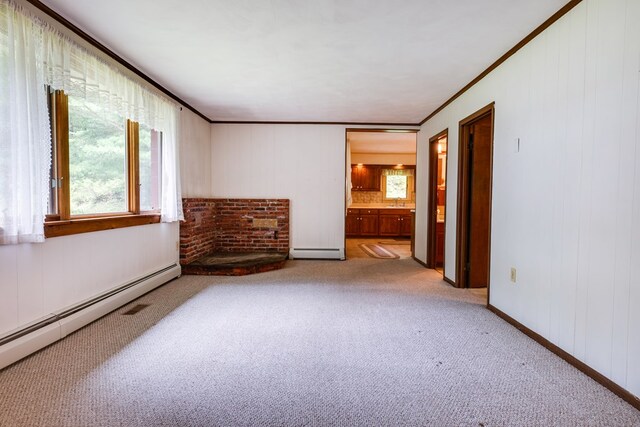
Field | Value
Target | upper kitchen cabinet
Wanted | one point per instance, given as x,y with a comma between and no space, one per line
365,178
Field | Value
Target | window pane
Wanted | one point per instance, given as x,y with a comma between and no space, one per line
396,187
150,177
97,159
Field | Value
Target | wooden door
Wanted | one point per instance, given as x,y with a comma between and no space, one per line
389,225
474,215
479,203
368,225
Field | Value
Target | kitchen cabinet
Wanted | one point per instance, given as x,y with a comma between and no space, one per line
389,225
368,225
362,222
365,178
352,224
378,222
405,225
395,222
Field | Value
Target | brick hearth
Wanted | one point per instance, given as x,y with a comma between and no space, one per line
233,226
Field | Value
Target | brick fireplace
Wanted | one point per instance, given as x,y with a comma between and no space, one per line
233,226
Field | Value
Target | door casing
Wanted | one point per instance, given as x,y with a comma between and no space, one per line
432,201
463,208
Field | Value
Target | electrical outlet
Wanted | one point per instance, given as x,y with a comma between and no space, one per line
513,274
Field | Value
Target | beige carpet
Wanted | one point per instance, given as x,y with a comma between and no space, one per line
364,342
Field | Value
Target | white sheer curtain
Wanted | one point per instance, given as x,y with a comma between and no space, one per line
25,140
171,204
70,67
34,54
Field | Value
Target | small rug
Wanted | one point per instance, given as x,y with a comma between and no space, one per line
394,242
377,251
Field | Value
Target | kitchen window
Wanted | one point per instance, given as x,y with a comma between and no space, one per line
397,184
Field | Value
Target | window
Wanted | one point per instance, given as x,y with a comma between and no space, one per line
97,160
397,184
150,161
396,187
106,169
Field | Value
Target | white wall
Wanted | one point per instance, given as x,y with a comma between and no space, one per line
40,278
37,279
303,163
195,155
566,208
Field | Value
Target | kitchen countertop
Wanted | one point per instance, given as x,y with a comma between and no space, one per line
380,206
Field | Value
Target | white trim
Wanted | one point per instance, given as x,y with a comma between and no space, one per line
74,318
311,253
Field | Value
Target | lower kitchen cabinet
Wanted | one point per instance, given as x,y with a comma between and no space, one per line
368,225
395,222
405,225
378,222
389,225
362,222
353,224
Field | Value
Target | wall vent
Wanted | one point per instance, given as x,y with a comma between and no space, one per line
135,309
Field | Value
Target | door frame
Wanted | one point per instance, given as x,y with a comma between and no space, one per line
347,168
462,208
432,198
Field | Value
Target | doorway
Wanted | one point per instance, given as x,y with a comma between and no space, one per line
380,175
437,201
475,171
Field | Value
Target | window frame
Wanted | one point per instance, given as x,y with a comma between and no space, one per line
410,189
62,223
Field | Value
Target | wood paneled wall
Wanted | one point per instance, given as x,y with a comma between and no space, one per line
566,207
40,278
36,279
195,155
302,163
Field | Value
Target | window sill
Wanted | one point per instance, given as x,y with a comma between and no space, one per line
87,225
393,200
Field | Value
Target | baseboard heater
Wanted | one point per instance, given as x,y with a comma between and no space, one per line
58,325
311,253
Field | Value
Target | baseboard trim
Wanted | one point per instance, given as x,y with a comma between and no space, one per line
424,264
58,325
581,366
449,281
317,253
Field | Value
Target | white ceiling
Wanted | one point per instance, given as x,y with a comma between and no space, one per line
382,142
323,60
